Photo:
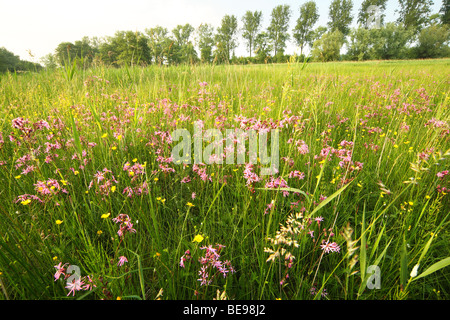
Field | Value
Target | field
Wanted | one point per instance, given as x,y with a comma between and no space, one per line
92,205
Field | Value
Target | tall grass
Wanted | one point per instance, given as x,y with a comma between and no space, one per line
386,205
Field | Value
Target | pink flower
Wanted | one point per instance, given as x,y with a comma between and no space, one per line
122,260
75,285
60,270
442,174
330,247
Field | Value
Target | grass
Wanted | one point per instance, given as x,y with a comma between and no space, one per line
374,184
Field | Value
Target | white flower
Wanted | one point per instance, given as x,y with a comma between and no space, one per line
414,271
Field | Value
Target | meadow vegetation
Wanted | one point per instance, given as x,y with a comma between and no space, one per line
88,183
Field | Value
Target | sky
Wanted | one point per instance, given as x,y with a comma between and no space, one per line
38,26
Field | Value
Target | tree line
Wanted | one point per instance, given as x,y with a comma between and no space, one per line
416,34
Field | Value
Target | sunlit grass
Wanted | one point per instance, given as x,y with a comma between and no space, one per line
369,142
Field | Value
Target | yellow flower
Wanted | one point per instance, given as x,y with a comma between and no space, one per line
190,204
119,137
76,172
104,135
427,197
118,298
114,148
105,215
130,173
99,232
135,159
55,258
64,182
17,177
156,179
25,202
395,146
113,188
58,222
198,238
411,203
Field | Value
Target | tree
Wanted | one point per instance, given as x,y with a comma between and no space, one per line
205,41
81,50
262,47
49,61
390,41
278,27
303,32
252,24
445,12
159,44
361,44
316,34
185,49
126,48
10,62
328,47
413,13
433,42
226,40
365,12
340,16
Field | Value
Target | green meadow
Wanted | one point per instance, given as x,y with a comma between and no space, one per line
93,207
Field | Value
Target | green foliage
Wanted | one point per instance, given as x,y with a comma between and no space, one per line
328,47
277,30
10,62
363,14
340,16
413,13
303,31
433,42
226,38
205,41
252,23
388,42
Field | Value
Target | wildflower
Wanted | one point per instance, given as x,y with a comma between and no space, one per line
155,179
122,260
17,177
414,271
25,202
190,204
330,247
104,135
58,222
186,256
125,224
60,269
442,174
105,215
318,219
198,238
194,195
99,232
75,285
113,188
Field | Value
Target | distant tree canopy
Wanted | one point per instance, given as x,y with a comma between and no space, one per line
416,34
10,62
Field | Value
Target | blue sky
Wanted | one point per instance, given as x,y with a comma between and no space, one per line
39,26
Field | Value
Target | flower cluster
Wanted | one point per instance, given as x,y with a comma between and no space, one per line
77,283
125,224
211,261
